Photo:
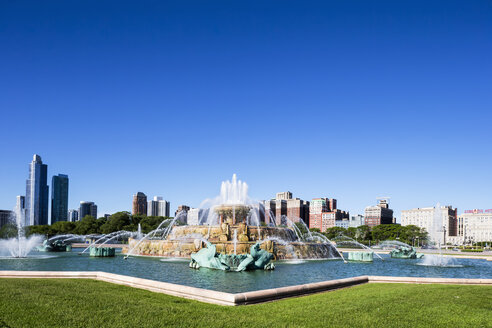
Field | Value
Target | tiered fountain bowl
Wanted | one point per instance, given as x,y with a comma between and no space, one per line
232,235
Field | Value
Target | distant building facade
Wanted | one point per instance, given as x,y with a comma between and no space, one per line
87,208
356,221
284,195
379,214
194,215
276,211
298,209
73,215
343,223
20,208
158,207
37,193
182,211
269,207
59,198
424,218
5,217
475,226
139,205
317,206
323,213
181,208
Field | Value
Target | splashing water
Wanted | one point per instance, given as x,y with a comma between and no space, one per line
165,231
20,246
438,260
350,242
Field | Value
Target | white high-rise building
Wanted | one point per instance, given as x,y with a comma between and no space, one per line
475,226
440,226
158,207
194,215
73,215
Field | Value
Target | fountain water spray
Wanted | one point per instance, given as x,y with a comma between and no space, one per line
346,240
20,246
165,231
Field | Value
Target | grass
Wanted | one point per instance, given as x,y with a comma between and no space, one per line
89,303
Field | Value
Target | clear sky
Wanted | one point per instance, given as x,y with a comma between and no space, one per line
344,99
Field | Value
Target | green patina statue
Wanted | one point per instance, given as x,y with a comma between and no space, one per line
403,252
55,246
207,257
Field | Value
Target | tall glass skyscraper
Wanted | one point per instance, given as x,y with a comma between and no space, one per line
37,193
59,198
87,208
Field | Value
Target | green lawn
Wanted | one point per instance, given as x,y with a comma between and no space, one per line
88,303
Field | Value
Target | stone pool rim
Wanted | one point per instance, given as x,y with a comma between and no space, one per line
234,299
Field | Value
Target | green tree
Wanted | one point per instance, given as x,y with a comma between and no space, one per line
302,227
8,230
86,226
334,232
43,230
351,232
61,227
363,233
116,222
150,223
384,232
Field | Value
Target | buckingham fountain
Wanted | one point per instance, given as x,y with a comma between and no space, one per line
231,224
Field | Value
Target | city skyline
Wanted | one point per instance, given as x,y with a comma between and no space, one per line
389,99
282,195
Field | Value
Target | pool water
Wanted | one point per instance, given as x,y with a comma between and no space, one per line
286,273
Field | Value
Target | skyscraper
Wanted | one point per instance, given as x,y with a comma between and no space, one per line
87,208
158,207
59,198
73,215
139,204
20,208
37,193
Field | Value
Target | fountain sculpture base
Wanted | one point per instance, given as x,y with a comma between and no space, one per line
185,240
361,256
405,253
56,246
102,251
207,257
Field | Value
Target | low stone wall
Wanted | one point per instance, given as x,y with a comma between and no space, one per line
221,298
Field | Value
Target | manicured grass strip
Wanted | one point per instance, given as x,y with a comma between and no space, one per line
88,303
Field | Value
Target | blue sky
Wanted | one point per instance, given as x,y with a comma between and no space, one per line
344,99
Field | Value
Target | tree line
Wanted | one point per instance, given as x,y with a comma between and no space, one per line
366,235
89,225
